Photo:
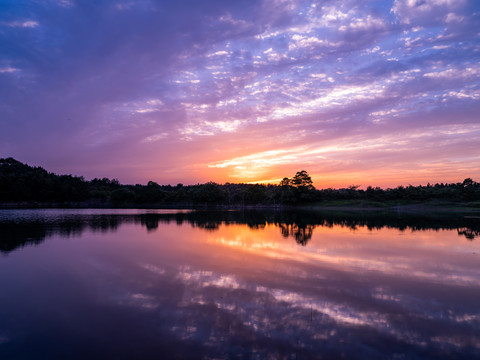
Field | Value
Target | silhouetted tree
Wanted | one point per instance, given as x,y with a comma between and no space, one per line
302,180
285,182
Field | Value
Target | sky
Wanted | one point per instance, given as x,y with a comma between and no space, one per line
355,92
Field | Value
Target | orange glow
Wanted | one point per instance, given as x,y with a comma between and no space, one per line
357,250
384,178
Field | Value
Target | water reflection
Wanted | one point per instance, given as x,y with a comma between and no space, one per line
301,233
298,225
221,285
470,234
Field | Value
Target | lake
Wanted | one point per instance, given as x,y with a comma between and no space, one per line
167,284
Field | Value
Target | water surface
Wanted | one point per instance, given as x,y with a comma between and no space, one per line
153,284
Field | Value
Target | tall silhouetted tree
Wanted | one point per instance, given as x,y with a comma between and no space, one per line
302,180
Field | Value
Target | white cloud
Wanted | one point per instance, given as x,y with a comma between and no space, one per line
339,95
141,106
453,18
65,3
23,24
463,94
238,23
8,69
455,73
332,15
363,24
209,128
272,55
372,50
219,53
155,137
417,10
300,41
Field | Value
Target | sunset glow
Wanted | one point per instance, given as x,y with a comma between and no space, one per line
380,93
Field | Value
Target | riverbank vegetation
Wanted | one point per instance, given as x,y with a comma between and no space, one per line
27,185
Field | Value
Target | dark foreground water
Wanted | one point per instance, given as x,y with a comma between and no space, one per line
135,284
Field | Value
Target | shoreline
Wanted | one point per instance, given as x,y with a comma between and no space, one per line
352,206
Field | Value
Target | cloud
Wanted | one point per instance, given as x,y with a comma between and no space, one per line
453,18
367,24
8,69
23,24
425,11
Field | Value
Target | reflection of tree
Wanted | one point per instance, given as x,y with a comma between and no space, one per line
209,225
469,233
16,234
150,221
302,234
296,224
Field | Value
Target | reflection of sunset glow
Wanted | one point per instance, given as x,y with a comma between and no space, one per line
277,265
387,251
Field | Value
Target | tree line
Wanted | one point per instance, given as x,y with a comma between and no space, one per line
21,183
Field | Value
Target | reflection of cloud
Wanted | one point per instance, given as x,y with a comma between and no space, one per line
138,300
338,312
319,316
154,269
197,280
207,278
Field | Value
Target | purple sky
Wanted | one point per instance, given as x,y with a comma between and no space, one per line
359,92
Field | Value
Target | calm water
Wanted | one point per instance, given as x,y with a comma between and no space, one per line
138,284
